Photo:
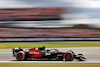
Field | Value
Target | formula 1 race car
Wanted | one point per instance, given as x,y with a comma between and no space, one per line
39,53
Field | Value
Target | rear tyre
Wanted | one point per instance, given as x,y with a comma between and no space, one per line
20,56
68,57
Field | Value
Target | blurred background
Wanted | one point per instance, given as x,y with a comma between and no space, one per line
46,18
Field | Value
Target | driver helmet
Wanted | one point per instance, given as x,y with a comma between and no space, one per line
44,47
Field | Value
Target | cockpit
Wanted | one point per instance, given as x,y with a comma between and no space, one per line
42,48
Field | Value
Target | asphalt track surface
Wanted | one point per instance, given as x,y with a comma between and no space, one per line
92,54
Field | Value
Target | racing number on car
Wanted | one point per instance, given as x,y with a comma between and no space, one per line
68,56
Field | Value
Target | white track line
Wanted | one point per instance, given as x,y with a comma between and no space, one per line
49,61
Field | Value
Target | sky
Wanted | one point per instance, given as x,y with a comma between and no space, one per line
43,3
88,11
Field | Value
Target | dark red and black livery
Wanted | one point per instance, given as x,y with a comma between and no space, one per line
39,53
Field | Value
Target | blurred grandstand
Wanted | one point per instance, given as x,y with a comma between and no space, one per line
13,20
80,30
31,14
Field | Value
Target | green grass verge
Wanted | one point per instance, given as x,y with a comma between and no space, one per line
48,65
39,44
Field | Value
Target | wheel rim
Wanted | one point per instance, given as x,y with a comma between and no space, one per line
20,56
68,56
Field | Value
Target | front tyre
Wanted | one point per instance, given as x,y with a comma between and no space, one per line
20,56
68,57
